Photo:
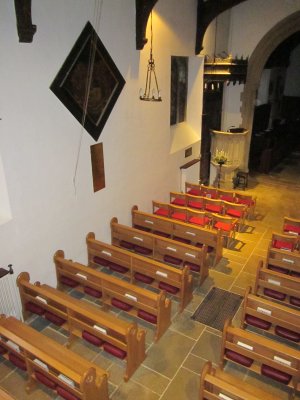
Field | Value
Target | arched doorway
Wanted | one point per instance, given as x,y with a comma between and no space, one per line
281,31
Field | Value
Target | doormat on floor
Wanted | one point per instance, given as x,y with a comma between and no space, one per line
217,306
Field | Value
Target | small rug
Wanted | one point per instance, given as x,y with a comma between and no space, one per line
217,306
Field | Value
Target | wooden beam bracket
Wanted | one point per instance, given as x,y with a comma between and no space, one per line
25,28
143,10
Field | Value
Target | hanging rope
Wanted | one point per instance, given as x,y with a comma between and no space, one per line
91,62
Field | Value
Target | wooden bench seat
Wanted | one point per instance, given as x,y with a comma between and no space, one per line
291,226
286,262
261,355
210,240
277,286
206,205
285,242
247,200
160,248
176,281
152,307
270,317
120,338
215,384
48,362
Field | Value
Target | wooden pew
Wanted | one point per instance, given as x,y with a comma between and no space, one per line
216,384
284,242
283,261
291,226
50,363
270,317
178,282
240,198
211,240
277,286
160,248
202,204
120,338
152,307
261,355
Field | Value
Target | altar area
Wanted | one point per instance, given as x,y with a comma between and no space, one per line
230,146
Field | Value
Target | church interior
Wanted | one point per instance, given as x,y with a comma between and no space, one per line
149,208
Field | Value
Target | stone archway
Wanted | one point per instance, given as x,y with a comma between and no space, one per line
281,31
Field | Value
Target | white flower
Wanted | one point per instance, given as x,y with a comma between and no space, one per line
220,157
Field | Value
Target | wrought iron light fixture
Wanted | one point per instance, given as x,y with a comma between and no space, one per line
151,92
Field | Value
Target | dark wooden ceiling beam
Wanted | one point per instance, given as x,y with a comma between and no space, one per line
143,9
25,28
207,11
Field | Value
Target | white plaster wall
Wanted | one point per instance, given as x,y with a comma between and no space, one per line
40,139
250,21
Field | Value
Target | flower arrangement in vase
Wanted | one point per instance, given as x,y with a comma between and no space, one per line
220,157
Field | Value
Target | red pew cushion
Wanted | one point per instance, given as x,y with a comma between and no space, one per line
213,208
192,266
239,358
195,204
194,192
142,250
65,280
143,278
291,228
223,226
162,211
230,199
248,202
92,338
118,268
276,374
182,240
178,215
55,319
199,220
234,213
115,351
168,288
282,245
101,261
287,334
126,245
178,202
2,350
17,361
274,294
209,248
45,380
142,228
34,308
121,304
295,301
172,260
147,316
258,322
92,292
278,269
295,273
163,234
62,392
